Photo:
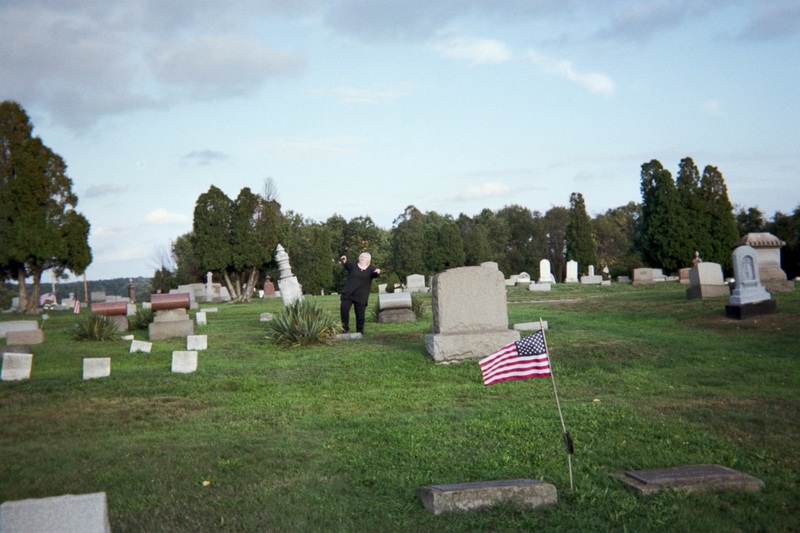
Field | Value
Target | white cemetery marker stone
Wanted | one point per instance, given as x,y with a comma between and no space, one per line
200,317
184,362
71,513
196,342
16,366
141,346
96,367
572,272
265,317
545,275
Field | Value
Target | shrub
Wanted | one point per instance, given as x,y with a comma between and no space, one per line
418,305
91,327
391,282
142,319
301,324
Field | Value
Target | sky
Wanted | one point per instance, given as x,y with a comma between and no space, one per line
365,107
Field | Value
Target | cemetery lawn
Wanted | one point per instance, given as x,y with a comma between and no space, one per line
339,438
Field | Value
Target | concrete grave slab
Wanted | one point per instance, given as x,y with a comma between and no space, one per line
266,317
17,325
71,513
184,362
530,326
141,346
529,493
348,336
16,366
698,478
25,338
96,367
197,342
200,318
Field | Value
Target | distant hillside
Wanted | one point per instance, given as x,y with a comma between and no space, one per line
116,287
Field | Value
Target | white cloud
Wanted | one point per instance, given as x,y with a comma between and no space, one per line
475,51
595,82
204,157
712,107
103,189
162,217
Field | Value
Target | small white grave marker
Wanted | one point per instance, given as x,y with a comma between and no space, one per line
266,317
184,362
96,367
196,342
87,513
200,317
141,346
16,366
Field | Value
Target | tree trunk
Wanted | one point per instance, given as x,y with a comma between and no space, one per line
251,285
23,290
232,290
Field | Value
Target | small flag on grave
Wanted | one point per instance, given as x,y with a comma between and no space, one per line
76,307
523,359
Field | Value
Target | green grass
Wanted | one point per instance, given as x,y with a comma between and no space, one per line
339,437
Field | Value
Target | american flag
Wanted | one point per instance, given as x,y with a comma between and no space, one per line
523,359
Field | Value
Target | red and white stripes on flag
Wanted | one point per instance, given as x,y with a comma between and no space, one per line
523,359
76,307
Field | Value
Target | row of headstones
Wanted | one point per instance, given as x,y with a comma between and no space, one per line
18,366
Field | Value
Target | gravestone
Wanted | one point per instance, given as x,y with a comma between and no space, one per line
539,287
96,367
97,296
696,478
512,280
647,276
530,326
171,317
706,281
115,311
749,298
416,283
17,325
545,274
25,338
16,366
395,308
140,346
197,342
490,264
623,279
265,317
200,318
768,251
591,278
523,280
683,276
530,493
269,288
290,288
184,362
470,314
572,272
70,513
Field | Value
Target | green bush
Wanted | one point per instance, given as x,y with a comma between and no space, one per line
141,320
301,324
418,305
90,327
391,282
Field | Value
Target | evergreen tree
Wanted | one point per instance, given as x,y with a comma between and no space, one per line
787,228
660,214
691,229
406,243
522,233
211,239
579,236
39,227
442,244
616,234
750,221
722,230
556,220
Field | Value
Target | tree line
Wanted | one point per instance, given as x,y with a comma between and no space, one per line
235,239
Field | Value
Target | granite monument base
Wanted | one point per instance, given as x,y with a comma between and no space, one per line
696,478
449,347
529,493
744,311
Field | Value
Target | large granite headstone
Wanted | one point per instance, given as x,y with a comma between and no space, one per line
706,281
749,298
470,314
768,251
416,283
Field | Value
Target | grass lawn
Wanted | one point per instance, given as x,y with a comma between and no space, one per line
339,438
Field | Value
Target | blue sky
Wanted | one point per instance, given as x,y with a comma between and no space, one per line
363,107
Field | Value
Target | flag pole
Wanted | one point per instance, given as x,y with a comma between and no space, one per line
567,436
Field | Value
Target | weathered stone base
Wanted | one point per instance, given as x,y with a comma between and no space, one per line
696,478
25,338
529,493
449,347
84,513
778,285
169,330
120,321
707,291
396,316
744,311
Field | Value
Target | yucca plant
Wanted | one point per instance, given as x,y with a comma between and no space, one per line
418,305
301,324
90,327
141,320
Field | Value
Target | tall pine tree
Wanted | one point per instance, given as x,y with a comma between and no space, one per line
722,229
579,235
661,213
